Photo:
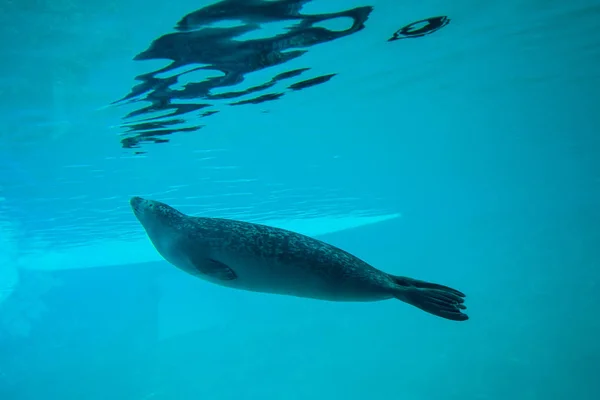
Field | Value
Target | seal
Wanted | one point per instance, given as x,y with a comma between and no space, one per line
266,259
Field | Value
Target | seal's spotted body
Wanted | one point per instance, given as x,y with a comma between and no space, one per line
261,258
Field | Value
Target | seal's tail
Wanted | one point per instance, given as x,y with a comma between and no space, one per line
439,300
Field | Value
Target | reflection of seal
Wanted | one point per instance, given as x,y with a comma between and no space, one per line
265,259
420,28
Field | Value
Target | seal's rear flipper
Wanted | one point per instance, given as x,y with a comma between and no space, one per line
439,300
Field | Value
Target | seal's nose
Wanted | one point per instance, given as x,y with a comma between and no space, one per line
135,201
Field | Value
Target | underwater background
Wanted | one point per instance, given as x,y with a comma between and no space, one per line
454,142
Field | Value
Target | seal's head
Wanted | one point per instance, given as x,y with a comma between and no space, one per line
161,223
154,214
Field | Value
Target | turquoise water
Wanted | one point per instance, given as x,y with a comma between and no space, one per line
467,156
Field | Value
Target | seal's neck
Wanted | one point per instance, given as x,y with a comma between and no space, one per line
162,236
162,229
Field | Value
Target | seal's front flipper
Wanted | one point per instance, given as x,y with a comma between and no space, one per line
220,271
439,300
214,269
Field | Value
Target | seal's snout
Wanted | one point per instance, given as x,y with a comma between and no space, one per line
136,203
135,200
152,213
